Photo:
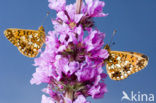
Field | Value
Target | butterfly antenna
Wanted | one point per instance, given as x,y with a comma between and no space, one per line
45,18
113,34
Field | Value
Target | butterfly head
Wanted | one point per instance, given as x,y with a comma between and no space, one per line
41,28
107,47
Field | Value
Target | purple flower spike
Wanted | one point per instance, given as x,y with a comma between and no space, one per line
71,63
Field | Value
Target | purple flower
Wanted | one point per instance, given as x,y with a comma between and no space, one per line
64,66
57,5
98,91
46,99
95,40
68,18
66,14
57,97
81,99
87,73
40,76
94,8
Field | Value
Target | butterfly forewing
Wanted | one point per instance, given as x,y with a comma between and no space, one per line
28,42
122,64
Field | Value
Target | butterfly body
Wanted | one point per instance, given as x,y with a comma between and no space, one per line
28,42
121,64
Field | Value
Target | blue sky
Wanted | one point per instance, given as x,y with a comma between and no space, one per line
134,20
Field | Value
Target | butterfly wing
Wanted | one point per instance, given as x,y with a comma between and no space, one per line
122,64
28,42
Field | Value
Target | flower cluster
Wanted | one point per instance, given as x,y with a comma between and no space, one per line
71,63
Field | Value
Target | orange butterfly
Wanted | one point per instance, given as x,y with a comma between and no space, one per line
121,64
28,42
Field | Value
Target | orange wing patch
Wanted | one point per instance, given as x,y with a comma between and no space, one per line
28,42
122,64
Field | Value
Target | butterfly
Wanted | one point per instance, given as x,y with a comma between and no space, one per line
121,64
28,42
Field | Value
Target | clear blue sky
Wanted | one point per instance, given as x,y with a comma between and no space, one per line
135,21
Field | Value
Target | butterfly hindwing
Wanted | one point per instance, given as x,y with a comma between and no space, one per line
122,64
28,42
